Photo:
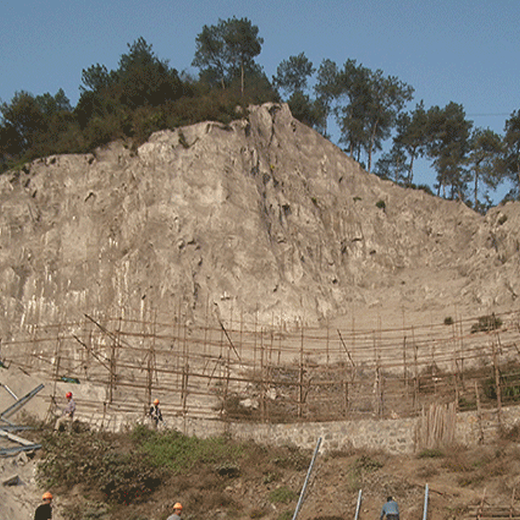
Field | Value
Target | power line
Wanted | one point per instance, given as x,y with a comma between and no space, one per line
486,115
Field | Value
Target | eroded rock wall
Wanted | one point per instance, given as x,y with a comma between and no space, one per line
263,214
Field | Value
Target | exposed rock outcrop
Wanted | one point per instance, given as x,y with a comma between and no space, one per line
264,215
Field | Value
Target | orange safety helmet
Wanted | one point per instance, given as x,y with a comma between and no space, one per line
178,505
47,496
68,395
156,402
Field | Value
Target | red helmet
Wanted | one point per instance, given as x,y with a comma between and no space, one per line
156,402
178,505
47,496
68,395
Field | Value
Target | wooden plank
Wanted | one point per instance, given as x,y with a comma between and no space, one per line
15,438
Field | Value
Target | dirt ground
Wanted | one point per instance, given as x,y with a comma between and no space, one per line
268,481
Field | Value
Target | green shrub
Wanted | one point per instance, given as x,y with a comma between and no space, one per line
97,461
295,459
271,477
486,324
286,515
367,463
175,451
381,204
433,453
282,495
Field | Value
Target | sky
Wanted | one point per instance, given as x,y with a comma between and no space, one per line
465,51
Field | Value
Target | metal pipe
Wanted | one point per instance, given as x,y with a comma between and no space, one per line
358,507
309,471
425,512
21,402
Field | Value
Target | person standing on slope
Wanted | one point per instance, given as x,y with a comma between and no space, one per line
155,413
67,415
44,511
177,511
390,509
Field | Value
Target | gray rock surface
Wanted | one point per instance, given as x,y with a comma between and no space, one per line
263,216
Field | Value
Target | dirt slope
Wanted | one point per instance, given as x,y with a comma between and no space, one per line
268,482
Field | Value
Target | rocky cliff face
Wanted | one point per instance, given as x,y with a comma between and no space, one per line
264,216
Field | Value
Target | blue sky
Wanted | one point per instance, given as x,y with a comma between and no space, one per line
464,51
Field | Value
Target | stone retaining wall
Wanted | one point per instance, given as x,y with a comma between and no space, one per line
392,435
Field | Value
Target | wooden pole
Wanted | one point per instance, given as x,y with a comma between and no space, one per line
254,341
416,374
345,397
228,374
497,385
206,328
405,366
461,340
300,377
185,376
327,343
262,381
479,415
151,361
113,363
241,350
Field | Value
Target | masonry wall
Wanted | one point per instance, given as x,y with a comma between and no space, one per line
392,435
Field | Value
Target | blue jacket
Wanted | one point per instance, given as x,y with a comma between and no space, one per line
390,508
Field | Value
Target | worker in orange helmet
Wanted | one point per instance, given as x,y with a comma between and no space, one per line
155,413
44,511
177,511
67,415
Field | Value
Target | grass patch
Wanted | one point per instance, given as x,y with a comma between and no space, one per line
282,495
433,453
178,452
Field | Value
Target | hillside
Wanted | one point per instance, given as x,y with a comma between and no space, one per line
258,217
101,479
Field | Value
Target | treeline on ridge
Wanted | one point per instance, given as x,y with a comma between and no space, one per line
145,94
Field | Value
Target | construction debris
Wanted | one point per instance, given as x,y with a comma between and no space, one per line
6,426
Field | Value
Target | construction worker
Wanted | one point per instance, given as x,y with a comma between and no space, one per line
155,413
67,416
177,511
390,509
44,511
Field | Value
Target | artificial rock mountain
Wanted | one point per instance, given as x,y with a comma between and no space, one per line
261,217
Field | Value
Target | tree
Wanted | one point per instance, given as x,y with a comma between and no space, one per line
292,75
483,159
227,50
411,136
144,79
392,166
327,90
448,146
364,103
353,83
23,121
387,97
52,105
96,78
511,154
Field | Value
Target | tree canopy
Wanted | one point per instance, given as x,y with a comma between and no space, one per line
367,108
227,50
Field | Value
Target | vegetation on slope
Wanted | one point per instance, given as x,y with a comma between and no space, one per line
145,94
140,474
